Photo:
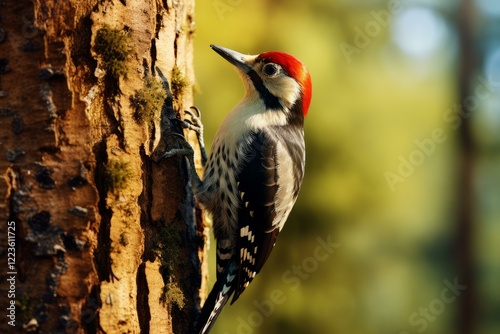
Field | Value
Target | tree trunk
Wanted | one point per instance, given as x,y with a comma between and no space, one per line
466,197
96,235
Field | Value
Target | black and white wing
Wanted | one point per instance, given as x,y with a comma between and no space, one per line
268,183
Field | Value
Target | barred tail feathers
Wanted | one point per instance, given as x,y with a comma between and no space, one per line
218,297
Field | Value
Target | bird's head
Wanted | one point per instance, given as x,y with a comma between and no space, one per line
281,80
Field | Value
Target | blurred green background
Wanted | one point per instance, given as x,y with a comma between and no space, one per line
392,122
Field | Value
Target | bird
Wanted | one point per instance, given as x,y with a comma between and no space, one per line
254,172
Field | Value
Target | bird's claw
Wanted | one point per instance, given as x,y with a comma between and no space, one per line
196,119
184,150
195,125
177,152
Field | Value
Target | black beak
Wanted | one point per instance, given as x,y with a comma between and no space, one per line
235,58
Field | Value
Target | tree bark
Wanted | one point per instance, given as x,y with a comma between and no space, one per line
105,238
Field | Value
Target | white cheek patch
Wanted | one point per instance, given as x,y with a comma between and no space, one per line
284,88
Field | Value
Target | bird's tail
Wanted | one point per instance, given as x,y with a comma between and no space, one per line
218,297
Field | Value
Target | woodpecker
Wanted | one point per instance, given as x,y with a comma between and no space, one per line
254,171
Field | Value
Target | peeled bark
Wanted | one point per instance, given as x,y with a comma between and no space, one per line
106,239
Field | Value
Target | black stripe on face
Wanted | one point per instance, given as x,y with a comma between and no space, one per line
296,115
270,101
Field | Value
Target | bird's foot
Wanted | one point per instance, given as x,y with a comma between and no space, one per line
195,125
184,151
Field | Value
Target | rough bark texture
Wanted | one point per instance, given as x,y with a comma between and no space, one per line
107,240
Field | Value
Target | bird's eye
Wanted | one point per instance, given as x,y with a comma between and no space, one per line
270,69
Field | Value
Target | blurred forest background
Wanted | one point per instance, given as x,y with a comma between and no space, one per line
403,164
